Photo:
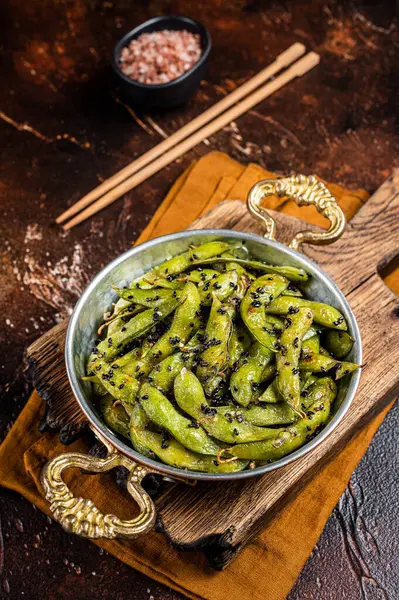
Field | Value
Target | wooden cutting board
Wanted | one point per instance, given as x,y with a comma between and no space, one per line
219,519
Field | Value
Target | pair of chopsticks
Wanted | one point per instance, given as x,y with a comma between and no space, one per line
191,134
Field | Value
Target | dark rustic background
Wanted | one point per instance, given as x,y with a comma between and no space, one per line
66,127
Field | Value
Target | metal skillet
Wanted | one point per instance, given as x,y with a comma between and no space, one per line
80,515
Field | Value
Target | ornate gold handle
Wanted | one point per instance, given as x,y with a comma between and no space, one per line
304,190
80,515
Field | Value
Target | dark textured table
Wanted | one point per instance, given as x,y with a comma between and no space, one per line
65,127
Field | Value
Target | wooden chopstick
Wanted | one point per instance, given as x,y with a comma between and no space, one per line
283,60
301,67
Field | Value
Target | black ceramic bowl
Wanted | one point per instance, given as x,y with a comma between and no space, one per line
177,91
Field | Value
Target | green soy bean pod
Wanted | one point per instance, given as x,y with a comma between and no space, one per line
245,381
184,324
164,373
259,294
223,286
293,291
289,440
136,327
202,276
149,298
162,412
292,273
139,423
118,384
318,363
98,388
115,416
239,343
221,423
311,344
323,314
214,359
172,453
273,414
271,394
181,262
287,358
281,413
337,343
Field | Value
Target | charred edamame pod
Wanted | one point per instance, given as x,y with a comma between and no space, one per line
162,412
292,273
324,314
287,357
338,343
239,343
244,383
281,413
221,286
115,416
181,262
318,363
172,453
214,359
292,438
149,298
221,423
136,327
259,294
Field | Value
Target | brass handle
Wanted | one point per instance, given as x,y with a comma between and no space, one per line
80,515
304,190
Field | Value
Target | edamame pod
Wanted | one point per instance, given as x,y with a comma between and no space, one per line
214,359
289,440
184,324
239,343
311,344
149,298
245,381
118,384
273,414
287,358
137,326
324,314
223,423
293,291
223,286
138,423
172,453
281,413
181,262
115,416
259,294
164,373
201,276
162,412
292,273
318,363
338,343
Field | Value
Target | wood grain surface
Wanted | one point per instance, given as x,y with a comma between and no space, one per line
65,127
